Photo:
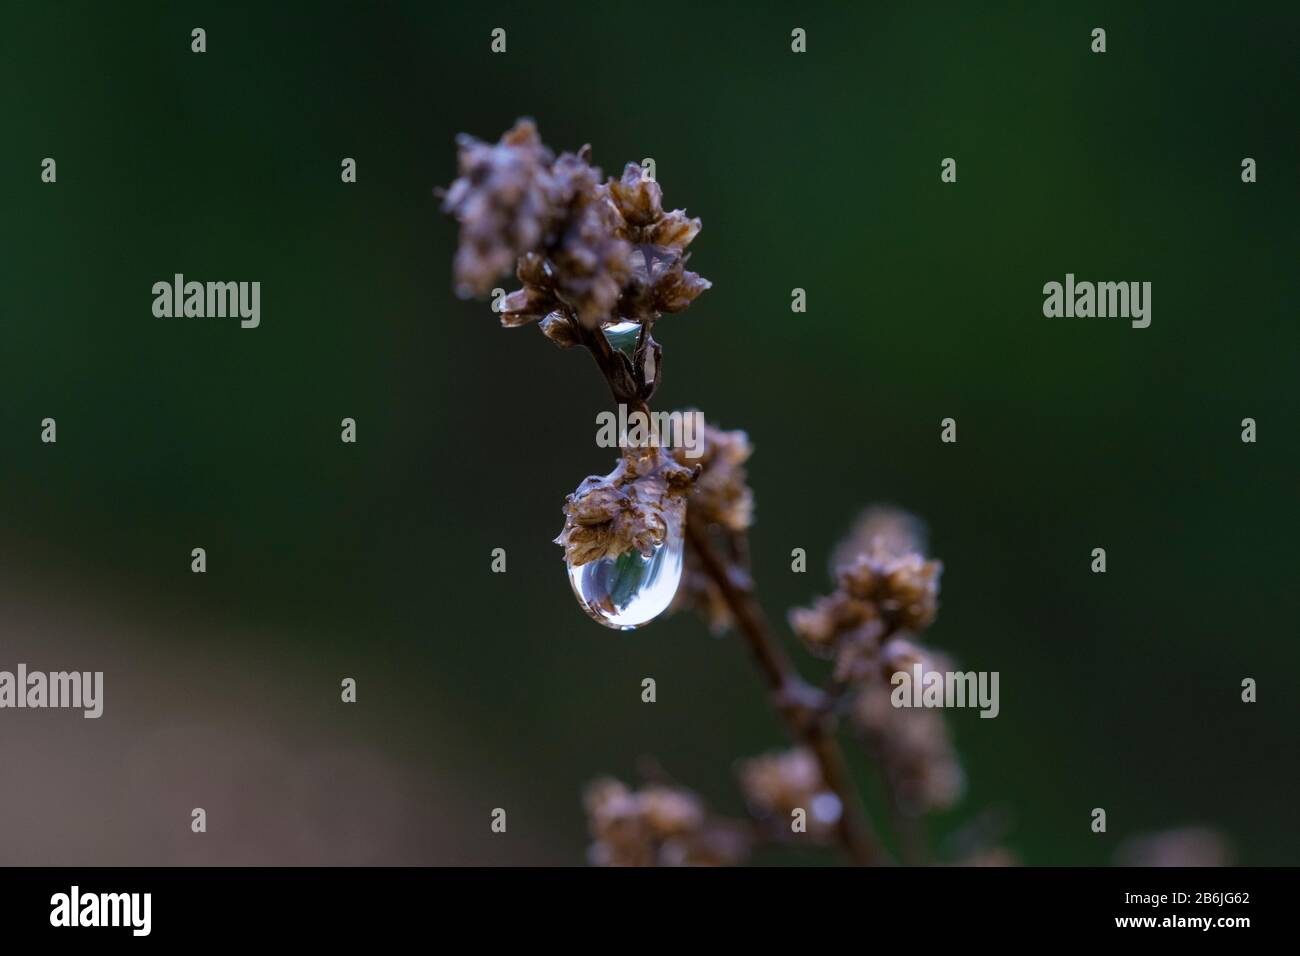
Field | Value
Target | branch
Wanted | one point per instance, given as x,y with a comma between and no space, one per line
802,706
624,384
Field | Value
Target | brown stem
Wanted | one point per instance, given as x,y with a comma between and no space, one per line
802,706
618,372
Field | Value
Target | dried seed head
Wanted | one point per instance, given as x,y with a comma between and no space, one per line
994,856
835,618
633,508
721,495
658,283
777,784
560,330
881,530
657,826
671,812
915,751
638,199
1186,846
904,589
598,251
887,591
861,660
639,202
883,590
504,200
672,286
674,231
588,261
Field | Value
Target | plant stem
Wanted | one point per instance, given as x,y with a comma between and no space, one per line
612,364
803,707
800,705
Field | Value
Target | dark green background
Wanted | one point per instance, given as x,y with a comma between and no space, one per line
819,171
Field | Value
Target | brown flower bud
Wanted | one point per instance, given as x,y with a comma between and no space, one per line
592,250
831,617
637,198
904,588
671,811
634,507
914,749
657,826
674,231
589,262
778,784
880,531
525,305
674,288
720,495
560,330
503,200
1185,846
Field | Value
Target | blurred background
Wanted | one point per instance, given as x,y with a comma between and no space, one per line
479,690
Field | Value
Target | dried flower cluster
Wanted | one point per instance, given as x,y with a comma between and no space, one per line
598,251
780,785
721,499
1186,846
633,508
599,261
914,750
887,593
721,495
880,595
658,826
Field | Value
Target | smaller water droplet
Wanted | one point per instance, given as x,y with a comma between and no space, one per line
826,807
623,336
628,591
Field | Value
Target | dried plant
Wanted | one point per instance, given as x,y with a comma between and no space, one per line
600,262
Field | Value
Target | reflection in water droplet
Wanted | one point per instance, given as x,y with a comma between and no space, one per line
623,336
630,590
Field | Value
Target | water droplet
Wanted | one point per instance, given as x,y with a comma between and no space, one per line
623,336
630,590
826,807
